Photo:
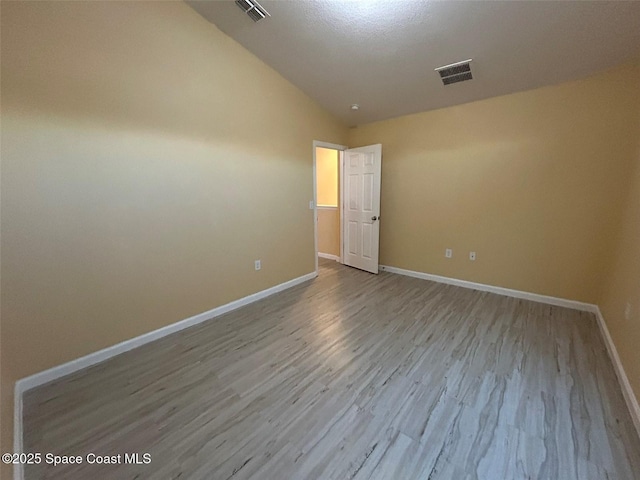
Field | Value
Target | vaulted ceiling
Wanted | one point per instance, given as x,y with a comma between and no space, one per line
381,54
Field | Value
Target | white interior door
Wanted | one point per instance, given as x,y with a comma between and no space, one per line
361,207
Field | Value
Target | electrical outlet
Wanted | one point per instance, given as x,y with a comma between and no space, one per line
627,311
448,253
311,205
472,256
258,264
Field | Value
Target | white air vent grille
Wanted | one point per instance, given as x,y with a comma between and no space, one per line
252,8
455,72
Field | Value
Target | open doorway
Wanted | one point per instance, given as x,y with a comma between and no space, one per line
346,191
327,167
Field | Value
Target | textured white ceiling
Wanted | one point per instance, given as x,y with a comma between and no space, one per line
381,54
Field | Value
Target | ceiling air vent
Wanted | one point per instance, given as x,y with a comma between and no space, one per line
253,9
456,72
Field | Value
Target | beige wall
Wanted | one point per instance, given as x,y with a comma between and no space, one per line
144,168
530,181
327,176
622,284
329,231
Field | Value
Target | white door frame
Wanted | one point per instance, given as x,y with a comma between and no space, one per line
340,148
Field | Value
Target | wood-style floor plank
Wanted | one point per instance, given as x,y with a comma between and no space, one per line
351,376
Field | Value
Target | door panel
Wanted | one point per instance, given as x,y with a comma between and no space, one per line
353,192
362,207
352,235
367,192
367,234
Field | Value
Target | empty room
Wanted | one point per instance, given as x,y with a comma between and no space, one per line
329,239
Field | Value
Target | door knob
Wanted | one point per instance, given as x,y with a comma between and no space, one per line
374,218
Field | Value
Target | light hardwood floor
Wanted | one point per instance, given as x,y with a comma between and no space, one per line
352,376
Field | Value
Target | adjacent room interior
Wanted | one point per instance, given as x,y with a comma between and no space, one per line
332,239
327,201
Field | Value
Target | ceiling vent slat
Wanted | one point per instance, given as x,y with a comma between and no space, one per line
245,5
253,9
455,72
447,72
457,78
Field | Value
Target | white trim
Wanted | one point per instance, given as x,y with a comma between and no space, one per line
561,302
625,386
627,391
96,357
333,146
65,369
326,207
18,468
329,256
453,64
54,373
315,208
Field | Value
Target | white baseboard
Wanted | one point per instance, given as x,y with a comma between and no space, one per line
560,302
329,256
54,373
18,468
627,391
